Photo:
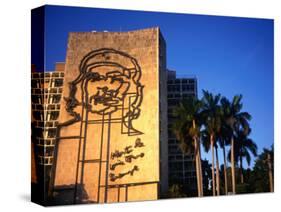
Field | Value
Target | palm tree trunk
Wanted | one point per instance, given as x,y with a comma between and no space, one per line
218,172
198,163
200,170
225,170
241,171
213,165
270,173
233,166
197,167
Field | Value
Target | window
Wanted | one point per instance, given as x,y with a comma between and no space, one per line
58,82
191,87
51,133
170,133
174,149
56,99
186,95
175,166
55,74
35,84
54,115
47,74
171,141
179,157
170,88
38,115
170,158
170,126
172,102
188,166
188,87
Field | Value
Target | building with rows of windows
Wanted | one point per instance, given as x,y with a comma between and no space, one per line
46,90
181,166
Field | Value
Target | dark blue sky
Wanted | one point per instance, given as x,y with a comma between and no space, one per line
227,55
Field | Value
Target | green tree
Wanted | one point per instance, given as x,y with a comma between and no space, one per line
187,131
211,113
235,120
261,178
207,176
243,148
176,191
224,141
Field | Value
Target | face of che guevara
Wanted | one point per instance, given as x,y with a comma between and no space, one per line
107,92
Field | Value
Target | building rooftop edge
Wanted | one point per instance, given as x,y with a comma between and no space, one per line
107,31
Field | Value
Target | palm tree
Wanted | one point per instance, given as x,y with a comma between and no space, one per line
243,146
261,178
223,142
235,120
212,122
207,141
217,170
187,131
225,139
269,161
206,174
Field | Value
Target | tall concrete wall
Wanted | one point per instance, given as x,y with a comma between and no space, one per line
163,118
109,139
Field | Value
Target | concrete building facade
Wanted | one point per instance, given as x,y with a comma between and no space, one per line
181,166
112,124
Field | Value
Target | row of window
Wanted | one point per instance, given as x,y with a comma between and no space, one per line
47,74
180,165
174,149
39,83
173,102
44,133
180,157
171,134
179,179
179,95
43,150
45,160
51,99
46,142
172,141
46,107
46,91
47,124
181,175
45,115
178,88
178,81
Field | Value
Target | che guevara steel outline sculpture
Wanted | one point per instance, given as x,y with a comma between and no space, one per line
111,101
85,74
